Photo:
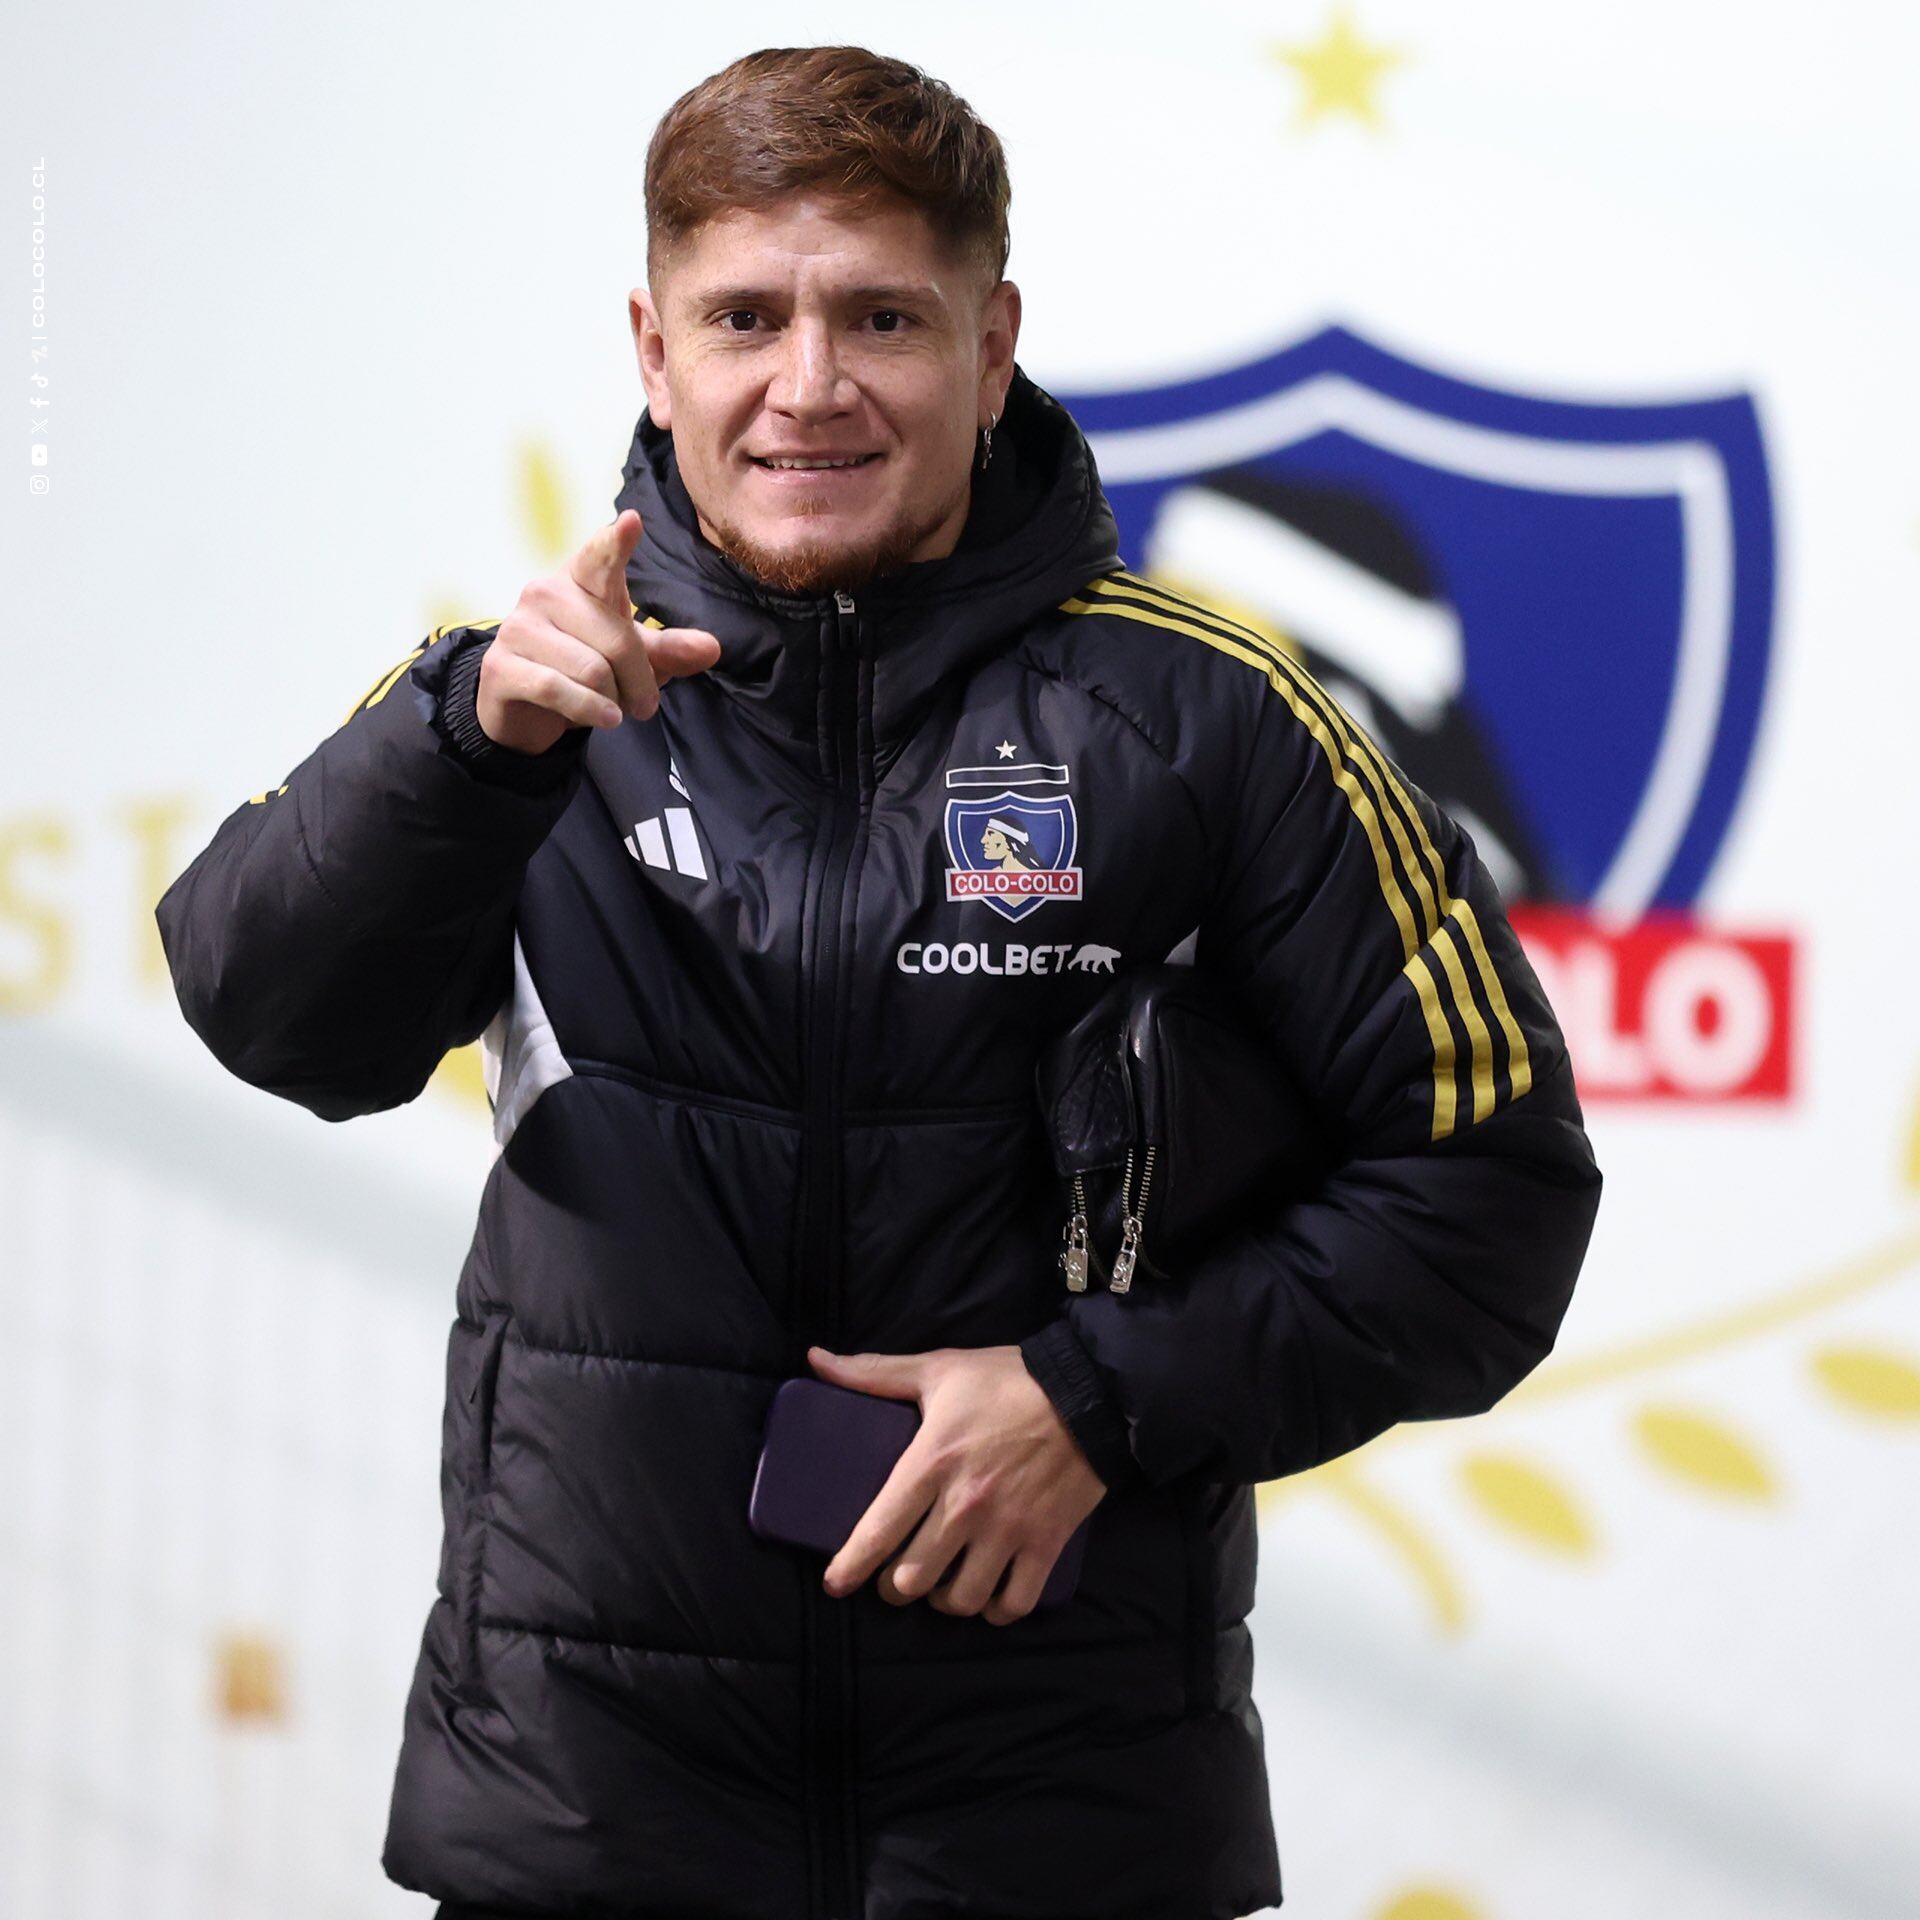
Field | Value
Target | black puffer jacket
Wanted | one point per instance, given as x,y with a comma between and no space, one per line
762,1071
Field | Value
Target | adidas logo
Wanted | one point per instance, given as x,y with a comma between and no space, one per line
648,842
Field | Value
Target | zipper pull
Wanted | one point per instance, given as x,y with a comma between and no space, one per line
1073,1257
843,599
1133,1224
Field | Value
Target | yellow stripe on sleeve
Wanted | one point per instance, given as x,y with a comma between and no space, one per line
1478,1038
1350,736
391,678
1450,906
1122,592
380,688
1519,1061
1357,799
1442,1037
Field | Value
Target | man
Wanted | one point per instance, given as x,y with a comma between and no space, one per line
672,835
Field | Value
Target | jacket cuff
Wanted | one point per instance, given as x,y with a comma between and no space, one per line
1056,1359
456,719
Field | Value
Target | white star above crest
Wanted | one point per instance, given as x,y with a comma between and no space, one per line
1005,749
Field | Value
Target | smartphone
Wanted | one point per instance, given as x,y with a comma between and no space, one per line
825,1455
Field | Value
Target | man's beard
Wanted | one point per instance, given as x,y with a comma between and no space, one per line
816,565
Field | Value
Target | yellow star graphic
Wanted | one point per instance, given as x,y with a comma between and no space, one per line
1340,72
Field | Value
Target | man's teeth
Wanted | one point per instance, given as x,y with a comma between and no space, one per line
855,460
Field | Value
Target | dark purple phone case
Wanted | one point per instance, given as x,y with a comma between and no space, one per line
826,1454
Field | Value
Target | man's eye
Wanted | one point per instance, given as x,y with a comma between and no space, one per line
888,313
738,313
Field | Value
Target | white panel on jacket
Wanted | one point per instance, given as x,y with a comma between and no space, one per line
518,1053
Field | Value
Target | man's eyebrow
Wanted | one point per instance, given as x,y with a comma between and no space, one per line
898,296
715,299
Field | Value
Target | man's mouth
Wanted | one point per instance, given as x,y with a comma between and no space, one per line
810,463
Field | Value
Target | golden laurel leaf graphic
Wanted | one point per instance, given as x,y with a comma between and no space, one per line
1870,1380
463,1074
543,501
1526,1501
250,1680
1705,1452
1428,1903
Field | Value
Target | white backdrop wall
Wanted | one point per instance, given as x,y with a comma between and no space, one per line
333,309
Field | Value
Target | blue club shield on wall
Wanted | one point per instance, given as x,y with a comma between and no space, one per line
1012,852
1554,617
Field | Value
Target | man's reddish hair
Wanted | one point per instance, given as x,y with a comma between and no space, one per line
841,122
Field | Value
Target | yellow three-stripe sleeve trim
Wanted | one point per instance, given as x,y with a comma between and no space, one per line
386,686
1519,1061
1442,1037
390,679
1359,801
1362,749
1351,739
1481,1040
1444,1102
1287,681
378,691
1123,591
1450,906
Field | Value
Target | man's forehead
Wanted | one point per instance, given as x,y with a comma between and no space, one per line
891,252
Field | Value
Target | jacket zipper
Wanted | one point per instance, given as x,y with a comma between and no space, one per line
829,1623
1132,1223
1078,1253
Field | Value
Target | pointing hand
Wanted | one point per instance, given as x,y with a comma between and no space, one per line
571,654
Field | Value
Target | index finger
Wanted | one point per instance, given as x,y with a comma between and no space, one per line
675,653
896,1510
600,567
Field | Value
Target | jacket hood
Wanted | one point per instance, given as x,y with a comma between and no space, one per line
1037,529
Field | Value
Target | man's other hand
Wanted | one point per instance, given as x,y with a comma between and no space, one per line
992,1479
571,654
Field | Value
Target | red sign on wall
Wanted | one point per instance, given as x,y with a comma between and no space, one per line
1669,1008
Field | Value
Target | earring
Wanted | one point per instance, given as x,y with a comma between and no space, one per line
986,441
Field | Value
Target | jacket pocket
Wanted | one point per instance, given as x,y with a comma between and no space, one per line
482,1390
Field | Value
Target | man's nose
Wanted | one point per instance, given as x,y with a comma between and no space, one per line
809,383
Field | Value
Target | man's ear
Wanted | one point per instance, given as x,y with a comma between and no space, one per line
999,334
650,350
